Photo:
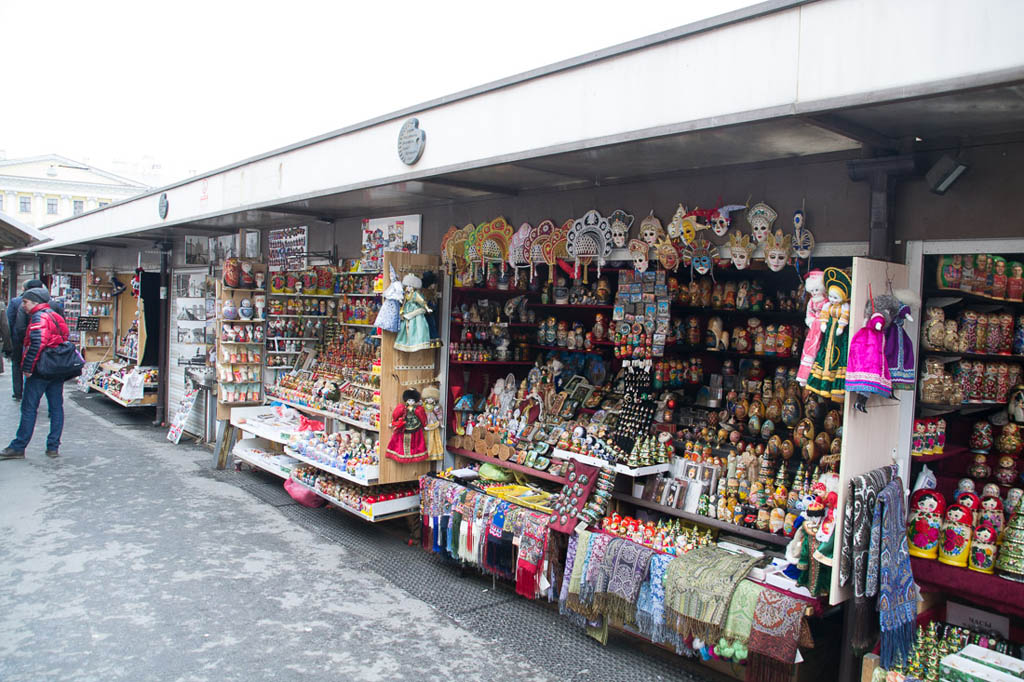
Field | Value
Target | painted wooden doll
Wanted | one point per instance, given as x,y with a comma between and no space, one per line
925,522
983,548
435,418
992,513
956,536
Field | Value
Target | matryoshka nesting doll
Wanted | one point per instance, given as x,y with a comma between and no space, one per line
972,503
925,522
983,548
956,536
1007,471
992,513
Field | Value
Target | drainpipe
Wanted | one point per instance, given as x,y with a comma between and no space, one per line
165,322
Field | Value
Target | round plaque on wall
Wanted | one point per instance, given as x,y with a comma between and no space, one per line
163,205
411,141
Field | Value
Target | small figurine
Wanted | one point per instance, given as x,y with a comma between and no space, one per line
924,523
407,443
983,548
435,418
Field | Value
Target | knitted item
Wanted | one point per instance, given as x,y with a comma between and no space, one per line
897,592
650,603
774,634
698,591
624,570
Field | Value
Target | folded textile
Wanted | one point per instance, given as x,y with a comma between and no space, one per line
650,602
624,570
774,635
699,590
741,611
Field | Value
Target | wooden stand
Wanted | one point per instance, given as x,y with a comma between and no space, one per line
394,380
253,329
97,299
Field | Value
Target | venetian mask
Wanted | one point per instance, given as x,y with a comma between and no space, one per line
675,226
650,230
761,216
620,223
700,256
777,249
720,221
638,250
740,249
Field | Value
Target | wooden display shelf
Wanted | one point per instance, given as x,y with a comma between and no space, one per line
785,315
240,321
329,469
985,590
485,291
323,413
795,359
701,520
490,362
307,317
260,463
287,295
251,290
359,324
529,471
570,306
593,351
466,323
949,451
993,357
371,295
935,407
359,274
292,338
146,401
969,297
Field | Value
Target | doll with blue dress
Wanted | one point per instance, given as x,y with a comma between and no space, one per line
388,316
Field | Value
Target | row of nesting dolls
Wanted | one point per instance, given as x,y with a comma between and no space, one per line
703,292
783,340
967,532
973,332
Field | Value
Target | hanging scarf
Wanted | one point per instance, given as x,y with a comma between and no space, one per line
570,559
624,571
495,528
650,602
858,515
897,593
697,594
774,634
570,606
591,568
741,617
531,555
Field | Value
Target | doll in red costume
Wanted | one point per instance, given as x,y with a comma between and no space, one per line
407,421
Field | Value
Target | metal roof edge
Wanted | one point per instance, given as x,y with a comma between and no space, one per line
693,28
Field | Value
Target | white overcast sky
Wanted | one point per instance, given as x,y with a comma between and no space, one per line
197,85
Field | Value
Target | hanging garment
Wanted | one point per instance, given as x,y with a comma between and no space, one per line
828,374
867,369
894,580
899,353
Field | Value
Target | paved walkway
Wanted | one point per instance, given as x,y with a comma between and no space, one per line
128,558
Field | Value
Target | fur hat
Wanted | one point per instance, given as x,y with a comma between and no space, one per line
411,280
431,392
37,294
410,394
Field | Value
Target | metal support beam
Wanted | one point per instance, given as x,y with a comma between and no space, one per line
539,169
322,216
472,186
165,322
855,131
882,174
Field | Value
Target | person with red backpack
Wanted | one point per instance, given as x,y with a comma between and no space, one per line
46,329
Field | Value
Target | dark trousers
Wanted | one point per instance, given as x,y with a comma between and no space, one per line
35,388
17,378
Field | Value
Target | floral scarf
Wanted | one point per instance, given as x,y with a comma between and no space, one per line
774,635
650,603
569,601
897,592
699,590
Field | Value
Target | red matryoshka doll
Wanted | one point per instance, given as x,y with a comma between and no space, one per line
925,522
992,513
956,534
981,437
983,548
972,503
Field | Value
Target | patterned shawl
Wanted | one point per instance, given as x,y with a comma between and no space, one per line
570,606
774,634
650,603
897,592
570,559
591,569
623,571
698,591
741,613
858,516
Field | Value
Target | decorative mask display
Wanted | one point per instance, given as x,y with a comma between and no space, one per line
638,251
777,250
720,220
651,231
760,216
803,240
620,222
740,249
700,256
675,226
590,237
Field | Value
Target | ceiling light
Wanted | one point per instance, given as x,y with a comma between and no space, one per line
944,173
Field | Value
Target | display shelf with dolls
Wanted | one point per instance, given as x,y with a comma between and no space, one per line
98,329
240,334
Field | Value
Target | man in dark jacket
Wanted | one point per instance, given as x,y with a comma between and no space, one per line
17,320
46,329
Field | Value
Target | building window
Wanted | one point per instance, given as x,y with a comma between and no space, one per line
103,203
1,202
25,204
79,206
51,206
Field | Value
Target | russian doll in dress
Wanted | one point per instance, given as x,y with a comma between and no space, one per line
867,370
924,523
828,374
407,443
983,548
388,316
414,334
435,418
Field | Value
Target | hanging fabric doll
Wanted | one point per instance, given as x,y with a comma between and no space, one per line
435,417
828,374
867,371
430,295
414,334
407,421
815,286
899,349
388,316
